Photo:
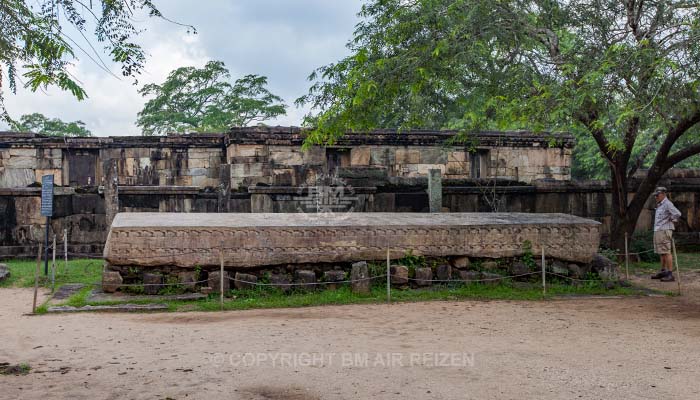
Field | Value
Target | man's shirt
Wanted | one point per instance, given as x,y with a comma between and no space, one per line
666,215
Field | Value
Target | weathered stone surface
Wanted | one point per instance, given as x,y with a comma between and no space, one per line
187,240
306,278
215,281
333,276
424,276
559,268
152,283
443,272
461,262
188,279
281,281
244,281
399,274
468,276
605,268
111,281
575,271
4,272
519,268
489,265
490,278
359,275
435,190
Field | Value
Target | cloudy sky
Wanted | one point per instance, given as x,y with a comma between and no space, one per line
284,40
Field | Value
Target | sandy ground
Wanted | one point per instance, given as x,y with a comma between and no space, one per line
631,348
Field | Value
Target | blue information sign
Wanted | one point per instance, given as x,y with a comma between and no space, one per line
47,195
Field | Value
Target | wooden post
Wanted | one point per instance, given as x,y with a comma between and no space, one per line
388,278
36,276
53,266
678,269
544,279
65,251
627,259
221,276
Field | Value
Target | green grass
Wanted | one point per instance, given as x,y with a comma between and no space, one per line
78,271
686,261
271,298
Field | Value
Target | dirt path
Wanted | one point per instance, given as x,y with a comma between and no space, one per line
632,348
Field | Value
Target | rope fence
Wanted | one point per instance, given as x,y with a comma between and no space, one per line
55,247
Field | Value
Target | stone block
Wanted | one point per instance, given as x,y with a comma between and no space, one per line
468,276
21,162
215,281
134,238
489,265
382,156
559,268
461,262
152,283
57,175
407,156
4,272
20,152
246,150
188,279
360,156
306,278
111,281
575,271
435,190
244,281
457,157
424,276
331,277
399,275
433,155
443,272
315,156
287,157
519,268
359,275
281,281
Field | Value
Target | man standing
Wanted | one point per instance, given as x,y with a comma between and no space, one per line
665,218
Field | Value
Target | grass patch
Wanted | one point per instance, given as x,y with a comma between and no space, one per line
686,261
272,298
78,271
19,369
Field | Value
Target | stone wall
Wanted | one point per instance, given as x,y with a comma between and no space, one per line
274,156
82,211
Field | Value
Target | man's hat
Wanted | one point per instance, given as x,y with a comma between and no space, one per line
660,189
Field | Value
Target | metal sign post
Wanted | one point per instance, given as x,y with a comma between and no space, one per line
46,211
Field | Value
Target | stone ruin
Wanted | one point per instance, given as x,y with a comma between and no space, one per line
154,248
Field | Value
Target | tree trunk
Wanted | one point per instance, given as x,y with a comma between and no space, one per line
624,219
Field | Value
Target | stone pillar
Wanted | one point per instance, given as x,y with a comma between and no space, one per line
435,190
224,188
111,190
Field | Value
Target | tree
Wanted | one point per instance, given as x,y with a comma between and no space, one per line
201,99
623,74
35,45
38,123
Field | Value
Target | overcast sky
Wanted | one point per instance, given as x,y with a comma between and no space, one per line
284,40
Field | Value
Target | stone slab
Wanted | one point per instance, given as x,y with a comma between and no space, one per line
259,239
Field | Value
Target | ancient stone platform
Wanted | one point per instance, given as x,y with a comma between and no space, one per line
253,240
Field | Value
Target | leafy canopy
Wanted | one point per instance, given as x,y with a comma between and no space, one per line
202,99
622,75
36,49
38,123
